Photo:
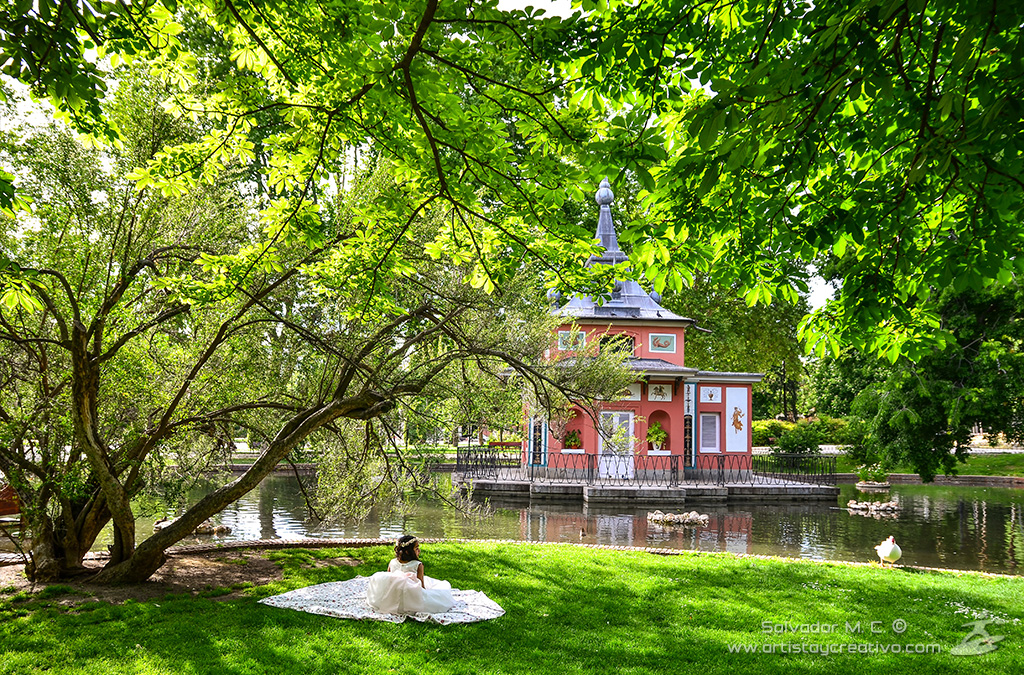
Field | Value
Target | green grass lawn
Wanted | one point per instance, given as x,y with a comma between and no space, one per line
569,610
977,465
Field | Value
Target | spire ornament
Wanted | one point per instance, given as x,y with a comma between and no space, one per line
604,195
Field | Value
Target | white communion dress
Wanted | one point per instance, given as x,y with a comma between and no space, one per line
398,591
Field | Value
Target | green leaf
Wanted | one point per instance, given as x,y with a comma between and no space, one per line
839,247
709,133
11,298
646,179
709,180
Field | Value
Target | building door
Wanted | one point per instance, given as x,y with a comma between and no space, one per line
537,442
615,458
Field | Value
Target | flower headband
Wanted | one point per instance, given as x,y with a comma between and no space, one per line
411,542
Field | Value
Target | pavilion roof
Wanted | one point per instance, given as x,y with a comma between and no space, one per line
629,301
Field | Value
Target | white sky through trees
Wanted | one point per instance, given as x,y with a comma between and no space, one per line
551,7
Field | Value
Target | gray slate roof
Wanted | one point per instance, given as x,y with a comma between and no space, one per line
660,367
629,301
656,366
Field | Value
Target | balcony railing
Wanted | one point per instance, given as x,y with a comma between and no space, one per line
511,465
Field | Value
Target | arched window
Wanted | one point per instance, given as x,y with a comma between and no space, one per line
620,342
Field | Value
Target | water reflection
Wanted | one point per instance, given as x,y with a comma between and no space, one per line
957,527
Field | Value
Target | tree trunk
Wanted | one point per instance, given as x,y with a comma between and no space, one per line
51,560
150,554
84,396
46,563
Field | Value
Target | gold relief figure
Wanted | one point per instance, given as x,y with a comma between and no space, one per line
737,419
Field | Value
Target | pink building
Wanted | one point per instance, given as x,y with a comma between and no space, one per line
706,414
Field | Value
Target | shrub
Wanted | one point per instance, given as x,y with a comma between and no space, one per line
856,443
833,430
759,432
656,434
803,439
767,432
872,472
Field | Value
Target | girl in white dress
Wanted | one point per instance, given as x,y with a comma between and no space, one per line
404,589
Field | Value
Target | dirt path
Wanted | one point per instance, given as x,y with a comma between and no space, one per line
189,573
186,571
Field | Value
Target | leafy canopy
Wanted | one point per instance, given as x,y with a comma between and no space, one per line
769,133
766,133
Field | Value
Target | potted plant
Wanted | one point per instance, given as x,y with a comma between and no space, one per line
656,436
573,440
872,477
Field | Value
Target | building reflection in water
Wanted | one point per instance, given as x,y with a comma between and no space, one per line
613,526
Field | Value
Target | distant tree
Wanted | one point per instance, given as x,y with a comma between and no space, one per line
475,398
923,414
834,382
742,338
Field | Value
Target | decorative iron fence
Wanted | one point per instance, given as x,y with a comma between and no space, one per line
817,469
511,465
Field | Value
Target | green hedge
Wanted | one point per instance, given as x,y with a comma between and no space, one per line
768,432
829,431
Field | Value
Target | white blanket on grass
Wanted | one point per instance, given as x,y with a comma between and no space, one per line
347,600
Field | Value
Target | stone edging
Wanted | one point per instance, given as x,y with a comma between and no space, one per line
271,544
963,481
365,543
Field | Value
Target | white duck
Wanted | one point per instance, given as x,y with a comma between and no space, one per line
888,551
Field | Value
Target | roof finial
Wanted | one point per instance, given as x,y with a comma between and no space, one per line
605,196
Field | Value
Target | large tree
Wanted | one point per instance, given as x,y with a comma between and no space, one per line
455,109
95,355
122,356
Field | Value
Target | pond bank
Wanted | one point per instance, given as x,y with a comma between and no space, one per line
280,544
965,481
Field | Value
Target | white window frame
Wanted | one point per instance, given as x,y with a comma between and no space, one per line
565,340
650,343
704,418
630,425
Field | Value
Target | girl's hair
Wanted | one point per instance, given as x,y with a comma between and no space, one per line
405,549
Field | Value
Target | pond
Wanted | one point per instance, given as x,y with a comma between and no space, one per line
937,526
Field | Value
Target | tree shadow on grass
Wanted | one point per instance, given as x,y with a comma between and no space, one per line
569,610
